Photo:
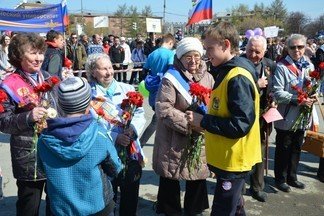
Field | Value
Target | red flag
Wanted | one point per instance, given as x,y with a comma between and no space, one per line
202,10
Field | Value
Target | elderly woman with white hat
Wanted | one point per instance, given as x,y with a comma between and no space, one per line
173,133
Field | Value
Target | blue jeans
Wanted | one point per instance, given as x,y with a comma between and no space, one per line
321,90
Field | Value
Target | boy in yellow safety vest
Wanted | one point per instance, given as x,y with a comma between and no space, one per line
231,126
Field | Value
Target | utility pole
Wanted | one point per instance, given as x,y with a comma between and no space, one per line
163,23
82,21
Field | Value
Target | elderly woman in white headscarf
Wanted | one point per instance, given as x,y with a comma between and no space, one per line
173,135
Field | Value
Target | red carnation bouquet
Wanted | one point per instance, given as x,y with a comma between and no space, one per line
42,90
309,90
200,99
128,107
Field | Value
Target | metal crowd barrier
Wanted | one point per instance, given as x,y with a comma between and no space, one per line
79,73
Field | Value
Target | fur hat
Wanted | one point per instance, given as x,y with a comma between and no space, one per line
189,44
74,95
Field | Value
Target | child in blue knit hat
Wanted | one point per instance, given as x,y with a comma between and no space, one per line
77,156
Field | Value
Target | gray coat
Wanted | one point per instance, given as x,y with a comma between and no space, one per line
285,96
172,133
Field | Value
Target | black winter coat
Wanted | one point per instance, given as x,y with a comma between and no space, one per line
14,121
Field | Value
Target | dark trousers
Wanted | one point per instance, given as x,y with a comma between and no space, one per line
118,75
134,75
149,131
142,75
1,192
257,176
168,198
128,196
228,199
287,155
320,171
29,198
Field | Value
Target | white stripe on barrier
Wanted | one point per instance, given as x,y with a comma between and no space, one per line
116,71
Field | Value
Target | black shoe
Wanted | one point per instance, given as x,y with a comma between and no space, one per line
261,196
296,184
284,187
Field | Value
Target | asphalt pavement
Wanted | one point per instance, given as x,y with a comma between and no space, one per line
309,201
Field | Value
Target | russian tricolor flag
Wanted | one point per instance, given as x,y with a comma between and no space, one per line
65,15
202,10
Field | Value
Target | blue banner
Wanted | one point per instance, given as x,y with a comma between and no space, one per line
33,20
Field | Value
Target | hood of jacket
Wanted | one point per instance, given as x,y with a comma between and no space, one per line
220,71
70,138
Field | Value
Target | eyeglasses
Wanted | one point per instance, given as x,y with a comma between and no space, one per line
74,37
299,47
190,58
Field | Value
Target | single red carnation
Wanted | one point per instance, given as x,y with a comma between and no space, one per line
100,112
46,87
315,74
55,80
3,96
67,63
124,104
1,108
321,65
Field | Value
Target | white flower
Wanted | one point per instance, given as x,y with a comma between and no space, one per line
51,112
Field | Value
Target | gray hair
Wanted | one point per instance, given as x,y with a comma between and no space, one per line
296,37
91,64
258,38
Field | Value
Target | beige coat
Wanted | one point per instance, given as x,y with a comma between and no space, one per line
172,132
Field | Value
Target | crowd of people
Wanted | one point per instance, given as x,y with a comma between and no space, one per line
80,139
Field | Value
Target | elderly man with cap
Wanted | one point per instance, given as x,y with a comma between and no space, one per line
77,156
265,68
173,134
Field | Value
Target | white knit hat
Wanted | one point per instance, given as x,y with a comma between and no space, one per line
188,44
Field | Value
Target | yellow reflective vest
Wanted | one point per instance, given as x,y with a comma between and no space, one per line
234,155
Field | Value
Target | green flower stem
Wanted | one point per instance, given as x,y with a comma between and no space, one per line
193,152
35,140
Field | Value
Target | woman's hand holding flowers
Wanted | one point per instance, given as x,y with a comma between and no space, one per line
123,140
126,137
309,101
194,120
37,114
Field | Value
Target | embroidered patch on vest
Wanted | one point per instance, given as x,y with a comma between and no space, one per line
227,185
216,103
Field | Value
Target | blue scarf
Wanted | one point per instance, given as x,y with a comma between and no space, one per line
110,90
301,63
